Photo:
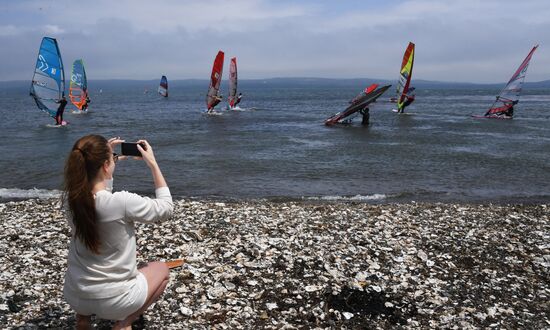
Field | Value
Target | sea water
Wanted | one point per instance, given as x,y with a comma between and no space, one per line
280,149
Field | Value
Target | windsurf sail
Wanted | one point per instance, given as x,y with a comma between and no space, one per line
212,98
509,95
232,82
363,93
163,87
360,104
405,76
78,87
48,81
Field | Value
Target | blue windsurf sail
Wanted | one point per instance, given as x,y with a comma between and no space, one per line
48,81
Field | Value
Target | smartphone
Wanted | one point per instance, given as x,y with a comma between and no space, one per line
130,149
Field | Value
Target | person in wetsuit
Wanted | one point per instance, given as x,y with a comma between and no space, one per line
507,110
408,100
366,116
59,114
217,100
85,105
238,100
510,111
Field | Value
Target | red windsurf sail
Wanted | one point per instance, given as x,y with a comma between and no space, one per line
212,98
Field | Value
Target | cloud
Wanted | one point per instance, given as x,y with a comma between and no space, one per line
480,41
53,29
170,15
8,30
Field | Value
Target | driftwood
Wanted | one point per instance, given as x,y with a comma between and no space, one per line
174,263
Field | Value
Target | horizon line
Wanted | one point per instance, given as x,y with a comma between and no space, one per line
295,78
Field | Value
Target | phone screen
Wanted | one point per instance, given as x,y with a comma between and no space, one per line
129,149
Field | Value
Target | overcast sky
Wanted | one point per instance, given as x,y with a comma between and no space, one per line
456,40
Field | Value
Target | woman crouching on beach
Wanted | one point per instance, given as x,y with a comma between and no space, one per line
102,276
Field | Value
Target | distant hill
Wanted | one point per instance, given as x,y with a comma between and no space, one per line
539,84
283,82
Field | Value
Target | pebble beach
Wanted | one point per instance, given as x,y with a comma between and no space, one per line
302,265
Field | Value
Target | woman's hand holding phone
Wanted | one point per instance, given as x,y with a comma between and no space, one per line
139,150
142,149
147,153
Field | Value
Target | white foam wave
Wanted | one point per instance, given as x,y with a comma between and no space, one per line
373,197
7,193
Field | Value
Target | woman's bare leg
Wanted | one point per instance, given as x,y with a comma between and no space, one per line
157,275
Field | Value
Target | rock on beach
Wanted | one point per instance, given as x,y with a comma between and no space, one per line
293,265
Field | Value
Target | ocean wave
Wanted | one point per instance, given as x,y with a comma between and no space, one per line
373,197
15,193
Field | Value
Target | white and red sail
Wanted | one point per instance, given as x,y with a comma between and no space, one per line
232,82
509,95
212,98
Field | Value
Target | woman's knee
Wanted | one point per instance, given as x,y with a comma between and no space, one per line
156,270
162,269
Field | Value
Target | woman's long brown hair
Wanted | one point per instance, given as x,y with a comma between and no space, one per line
87,157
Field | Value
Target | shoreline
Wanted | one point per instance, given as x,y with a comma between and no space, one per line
19,195
295,264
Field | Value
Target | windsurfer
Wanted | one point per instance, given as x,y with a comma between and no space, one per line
409,98
238,100
507,110
366,116
217,100
85,105
510,111
59,115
